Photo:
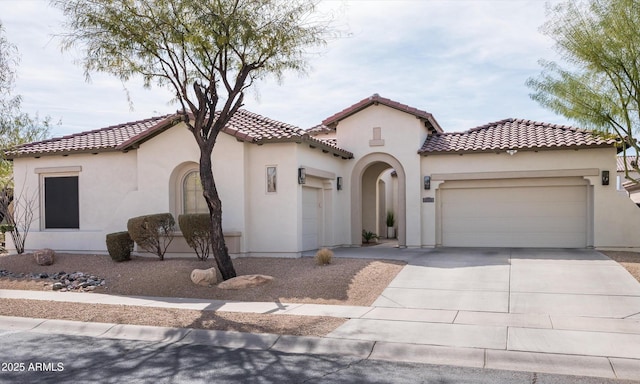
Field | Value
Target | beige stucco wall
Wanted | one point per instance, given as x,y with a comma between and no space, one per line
100,198
336,223
116,186
616,220
402,134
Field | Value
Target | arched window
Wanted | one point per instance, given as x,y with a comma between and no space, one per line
192,199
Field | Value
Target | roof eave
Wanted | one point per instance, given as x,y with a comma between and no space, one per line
62,153
346,155
504,150
312,142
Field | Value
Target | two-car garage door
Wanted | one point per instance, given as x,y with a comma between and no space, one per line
526,214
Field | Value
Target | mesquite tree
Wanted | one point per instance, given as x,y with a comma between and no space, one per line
207,51
599,86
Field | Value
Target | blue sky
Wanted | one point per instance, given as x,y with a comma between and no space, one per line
464,61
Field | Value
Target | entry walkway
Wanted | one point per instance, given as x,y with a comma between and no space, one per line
556,311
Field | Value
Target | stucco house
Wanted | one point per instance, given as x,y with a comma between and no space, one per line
625,185
512,183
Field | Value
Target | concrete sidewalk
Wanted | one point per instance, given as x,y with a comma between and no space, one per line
556,311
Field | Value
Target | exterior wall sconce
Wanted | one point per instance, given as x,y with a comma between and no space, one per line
302,175
605,177
512,152
339,183
427,182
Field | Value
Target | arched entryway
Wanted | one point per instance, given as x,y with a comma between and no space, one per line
365,199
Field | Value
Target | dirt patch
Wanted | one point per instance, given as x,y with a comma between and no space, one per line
629,260
344,282
176,318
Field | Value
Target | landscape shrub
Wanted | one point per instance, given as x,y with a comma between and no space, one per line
196,231
153,233
368,236
324,256
120,246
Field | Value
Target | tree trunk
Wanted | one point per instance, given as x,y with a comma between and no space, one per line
218,247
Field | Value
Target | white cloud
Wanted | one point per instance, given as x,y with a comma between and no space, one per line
465,61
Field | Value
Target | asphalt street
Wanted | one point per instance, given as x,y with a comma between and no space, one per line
28,357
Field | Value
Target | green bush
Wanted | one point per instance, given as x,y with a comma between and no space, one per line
153,233
4,228
368,236
120,246
324,256
196,229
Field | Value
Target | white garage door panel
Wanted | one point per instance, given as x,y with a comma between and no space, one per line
517,225
553,216
310,218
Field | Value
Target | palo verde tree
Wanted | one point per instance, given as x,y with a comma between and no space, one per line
206,51
599,86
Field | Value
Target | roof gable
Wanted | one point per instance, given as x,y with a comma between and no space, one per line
376,99
517,134
244,126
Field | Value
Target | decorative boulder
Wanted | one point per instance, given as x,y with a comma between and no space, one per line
44,256
204,277
245,281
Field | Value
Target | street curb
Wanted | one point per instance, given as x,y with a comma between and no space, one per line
604,367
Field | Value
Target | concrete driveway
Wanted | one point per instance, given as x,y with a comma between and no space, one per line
538,302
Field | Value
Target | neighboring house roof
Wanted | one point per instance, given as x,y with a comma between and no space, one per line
330,122
512,134
244,125
631,160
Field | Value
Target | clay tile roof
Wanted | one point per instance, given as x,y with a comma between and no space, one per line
631,160
377,99
320,128
244,125
99,140
249,126
331,141
512,134
252,127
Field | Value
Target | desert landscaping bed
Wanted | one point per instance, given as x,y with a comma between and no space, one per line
343,282
168,317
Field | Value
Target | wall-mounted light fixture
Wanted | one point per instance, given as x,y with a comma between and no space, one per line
339,183
302,175
605,177
512,152
427,182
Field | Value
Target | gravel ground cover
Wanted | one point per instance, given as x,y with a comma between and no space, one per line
344,282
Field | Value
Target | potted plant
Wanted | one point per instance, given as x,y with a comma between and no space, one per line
391,221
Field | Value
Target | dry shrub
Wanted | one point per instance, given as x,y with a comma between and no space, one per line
324,256
120,246
196,229
153,233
